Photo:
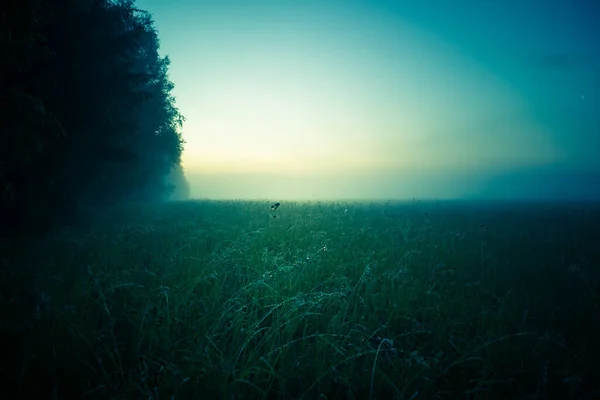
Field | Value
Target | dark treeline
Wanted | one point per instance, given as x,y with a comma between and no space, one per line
87,118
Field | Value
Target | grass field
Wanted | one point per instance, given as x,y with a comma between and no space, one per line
207,299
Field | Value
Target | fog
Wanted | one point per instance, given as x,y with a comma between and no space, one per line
512,185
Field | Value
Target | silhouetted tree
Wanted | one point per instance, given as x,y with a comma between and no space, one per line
87,115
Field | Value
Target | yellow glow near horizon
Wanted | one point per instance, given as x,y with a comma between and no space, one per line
372,98
285,103
251,123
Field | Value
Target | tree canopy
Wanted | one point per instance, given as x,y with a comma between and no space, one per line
86,111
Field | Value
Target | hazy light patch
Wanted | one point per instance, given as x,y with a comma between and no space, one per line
382,185
343,92
377,99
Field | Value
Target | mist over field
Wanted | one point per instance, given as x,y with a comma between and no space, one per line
531,185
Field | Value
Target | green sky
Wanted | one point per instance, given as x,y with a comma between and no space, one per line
378,99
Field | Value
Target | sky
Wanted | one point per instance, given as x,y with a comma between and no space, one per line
373,99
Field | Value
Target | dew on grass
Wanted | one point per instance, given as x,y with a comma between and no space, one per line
264,308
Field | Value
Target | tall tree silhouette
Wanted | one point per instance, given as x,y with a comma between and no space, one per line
87,114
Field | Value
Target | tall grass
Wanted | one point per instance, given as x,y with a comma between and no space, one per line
209,299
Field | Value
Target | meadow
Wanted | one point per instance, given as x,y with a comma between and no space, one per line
313,300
